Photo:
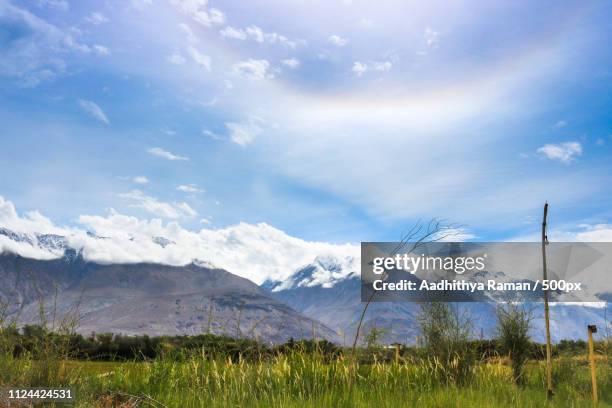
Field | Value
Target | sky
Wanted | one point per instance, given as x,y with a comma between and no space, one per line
330,121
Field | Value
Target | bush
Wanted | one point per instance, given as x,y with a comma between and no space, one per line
446,336
513,325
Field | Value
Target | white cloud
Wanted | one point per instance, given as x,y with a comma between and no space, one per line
585,233
37,51
176,59
252,68
156,207
255,33
186,209
594,233
257,252
564,152
199,58
234,33
33,221
101,49
243,133
159,152
291,63
360,68
62,5
93,110
200,12
96,18
190,188
140,180
560,124
337,40
454,234
432,37
211,134
189,34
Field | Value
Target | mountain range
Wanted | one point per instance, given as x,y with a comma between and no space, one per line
142,298
339,306
320,299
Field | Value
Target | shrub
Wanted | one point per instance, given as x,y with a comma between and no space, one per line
445,335
513,325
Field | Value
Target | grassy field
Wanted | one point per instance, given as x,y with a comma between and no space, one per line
305,381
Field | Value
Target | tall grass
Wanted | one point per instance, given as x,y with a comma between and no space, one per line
302,377
306,380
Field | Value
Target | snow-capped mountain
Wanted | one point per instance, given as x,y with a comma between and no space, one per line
325,271
138,297
253,251
143,298
339,306
53,244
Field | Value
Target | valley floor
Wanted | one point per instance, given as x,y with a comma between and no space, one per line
304,381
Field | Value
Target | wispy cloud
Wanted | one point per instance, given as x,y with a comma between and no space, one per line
566,153
35,51
199,58
189,33
243,133
176,59
560,124
140,180
253,68
200,11
432,37
159,152
101,49
255,33
211,134
291,63
360,68
62,5
190,188
337,40
233,33
152,205
93,110
96,18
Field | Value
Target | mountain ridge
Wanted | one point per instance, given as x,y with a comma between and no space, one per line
148,298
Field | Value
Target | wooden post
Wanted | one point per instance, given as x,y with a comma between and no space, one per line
397,353
592,329
549,389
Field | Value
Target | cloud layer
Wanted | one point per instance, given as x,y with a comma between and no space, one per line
256,252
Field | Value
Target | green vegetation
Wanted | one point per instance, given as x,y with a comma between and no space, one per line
514,322
447,370
307,380
445,334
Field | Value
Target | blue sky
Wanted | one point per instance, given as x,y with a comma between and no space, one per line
336,121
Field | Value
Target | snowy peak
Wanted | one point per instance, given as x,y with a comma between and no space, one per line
324,271
52,244
163,242
16,236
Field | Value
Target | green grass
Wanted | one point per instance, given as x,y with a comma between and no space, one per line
306,381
